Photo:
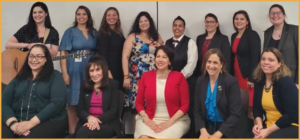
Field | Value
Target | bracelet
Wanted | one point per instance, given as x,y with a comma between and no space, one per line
126,76
12,123
87,118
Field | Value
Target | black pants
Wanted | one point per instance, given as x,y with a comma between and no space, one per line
191,81
106,131
48,129
287,132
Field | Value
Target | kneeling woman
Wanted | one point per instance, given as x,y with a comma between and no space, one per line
275,97
34,102
98,103
166,94
217,99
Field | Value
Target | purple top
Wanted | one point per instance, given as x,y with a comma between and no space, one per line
96,104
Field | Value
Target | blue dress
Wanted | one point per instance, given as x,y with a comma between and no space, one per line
72,41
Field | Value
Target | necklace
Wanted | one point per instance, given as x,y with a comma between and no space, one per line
162,77
267,89
28,106
97,91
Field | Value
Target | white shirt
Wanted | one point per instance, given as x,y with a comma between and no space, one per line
192,54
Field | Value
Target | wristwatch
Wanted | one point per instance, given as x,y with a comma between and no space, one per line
12,123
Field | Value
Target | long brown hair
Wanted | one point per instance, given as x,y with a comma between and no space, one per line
208,54
282,71
100,62
104,27
89,24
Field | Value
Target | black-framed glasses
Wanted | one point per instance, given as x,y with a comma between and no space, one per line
275,13
38,57
209,22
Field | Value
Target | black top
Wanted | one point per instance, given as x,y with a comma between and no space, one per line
111,47
22,37
285,97
274,43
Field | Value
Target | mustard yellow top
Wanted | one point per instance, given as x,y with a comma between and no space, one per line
272,114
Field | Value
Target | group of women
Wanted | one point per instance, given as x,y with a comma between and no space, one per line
151,73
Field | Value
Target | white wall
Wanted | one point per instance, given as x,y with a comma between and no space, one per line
15,14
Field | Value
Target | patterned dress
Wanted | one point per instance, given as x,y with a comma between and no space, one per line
141,60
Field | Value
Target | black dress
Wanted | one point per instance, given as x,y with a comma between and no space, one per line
111,47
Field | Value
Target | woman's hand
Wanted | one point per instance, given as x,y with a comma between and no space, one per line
256,130
66,78
263,134
216,135
150,123
204,134
23,127
250,84
126,83
32,44
92,126
163,126
93,120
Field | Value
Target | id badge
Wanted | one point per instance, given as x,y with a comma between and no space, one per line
78,59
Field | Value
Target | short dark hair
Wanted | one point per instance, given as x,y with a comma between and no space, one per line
90,22
168,51
152,32
180,18
218,32
247,17
100,62
280,7
219,53
45,74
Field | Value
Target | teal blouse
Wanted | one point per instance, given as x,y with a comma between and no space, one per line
48,99
211,104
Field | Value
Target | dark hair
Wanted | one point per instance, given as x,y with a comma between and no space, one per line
218,32
247,17
30,27
180,18
104,27
282,71
47,70
168,51
100,62
152,32
208,54
89,24
280,7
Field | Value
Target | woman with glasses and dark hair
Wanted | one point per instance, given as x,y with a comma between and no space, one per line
34,102
81,37
212,38
34,31
284,37
245,45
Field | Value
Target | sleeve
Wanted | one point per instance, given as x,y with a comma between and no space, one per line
103,46
54,37
199,119
7,101
112,112
58,101
296,39
66,41
192,53
20,34
81,113
199,61
255,46
140,98
184,95
289,98
226,50
235,106
257,108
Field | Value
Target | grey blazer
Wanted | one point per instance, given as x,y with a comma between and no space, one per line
288,46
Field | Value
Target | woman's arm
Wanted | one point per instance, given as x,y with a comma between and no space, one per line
53,50
63,66
199,117
13,43
226,50
7,100
254,47
127,48
160,41
112,112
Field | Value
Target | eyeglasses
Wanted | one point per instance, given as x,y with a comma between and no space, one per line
273,13
38,57
209,22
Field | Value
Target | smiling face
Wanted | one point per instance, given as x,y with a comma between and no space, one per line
276,16
144,23
36,59
38,14
211,24
81,16
178,28
112,17
269,63
213,65
240,21
162,60
96,73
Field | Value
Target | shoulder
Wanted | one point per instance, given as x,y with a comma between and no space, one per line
285,80
292,27
201,36
252,32
113,83
200,79
234,34
229,79
176,73
223,37
149,73
131,36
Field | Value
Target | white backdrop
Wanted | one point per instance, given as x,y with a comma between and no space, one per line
15,14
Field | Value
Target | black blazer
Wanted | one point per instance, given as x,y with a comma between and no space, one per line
229,104
288,46
110,102
218,41
248,53
285,97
